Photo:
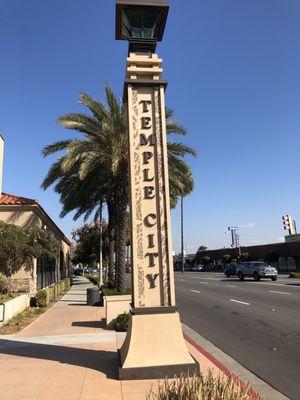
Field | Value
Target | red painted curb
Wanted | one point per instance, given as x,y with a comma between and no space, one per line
219,365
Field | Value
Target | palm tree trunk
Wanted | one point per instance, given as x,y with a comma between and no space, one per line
111,238
121,218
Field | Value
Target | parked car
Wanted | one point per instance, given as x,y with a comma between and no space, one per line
257,270
230,269
78,272
198,268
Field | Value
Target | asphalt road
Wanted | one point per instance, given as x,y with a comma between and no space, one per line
256,323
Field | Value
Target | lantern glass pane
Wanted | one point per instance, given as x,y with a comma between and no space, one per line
132,23
151,17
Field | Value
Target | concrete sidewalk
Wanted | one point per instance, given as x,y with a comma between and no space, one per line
66,354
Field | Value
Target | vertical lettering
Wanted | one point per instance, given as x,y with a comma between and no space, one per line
152,278
145,104
146,177
150,241
148,192
147,155
146,122
151,259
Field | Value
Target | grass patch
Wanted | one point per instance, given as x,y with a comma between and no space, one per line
202,388
295,275
21,320
6,297
113,292
44,299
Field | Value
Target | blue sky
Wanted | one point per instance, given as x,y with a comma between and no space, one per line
233,71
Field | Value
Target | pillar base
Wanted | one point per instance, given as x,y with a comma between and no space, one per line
154,347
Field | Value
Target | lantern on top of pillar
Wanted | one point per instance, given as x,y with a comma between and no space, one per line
154,346
142,23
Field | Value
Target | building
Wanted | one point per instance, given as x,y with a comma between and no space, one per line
288,254
28,213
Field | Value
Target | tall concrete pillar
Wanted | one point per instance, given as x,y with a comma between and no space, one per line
1,162
154,345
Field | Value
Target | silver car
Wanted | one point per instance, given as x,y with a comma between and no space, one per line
257,270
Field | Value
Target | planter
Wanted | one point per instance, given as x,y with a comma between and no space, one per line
115,305
13,307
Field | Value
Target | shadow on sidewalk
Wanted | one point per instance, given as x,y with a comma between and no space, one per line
99,360
90,324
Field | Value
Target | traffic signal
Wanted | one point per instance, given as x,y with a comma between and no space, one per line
288,223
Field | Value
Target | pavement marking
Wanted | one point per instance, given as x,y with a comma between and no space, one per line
275,291
195,291
203,283
230,286
240,302
182,280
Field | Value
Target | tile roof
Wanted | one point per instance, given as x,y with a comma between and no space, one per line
12,200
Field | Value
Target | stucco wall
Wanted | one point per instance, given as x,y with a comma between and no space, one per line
27,217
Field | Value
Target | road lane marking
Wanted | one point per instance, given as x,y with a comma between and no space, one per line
195,291
182,280
230,286
240,302
203,283
275,291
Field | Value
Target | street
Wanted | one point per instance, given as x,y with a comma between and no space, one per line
256,323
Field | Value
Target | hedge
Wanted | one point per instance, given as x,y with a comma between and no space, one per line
45,296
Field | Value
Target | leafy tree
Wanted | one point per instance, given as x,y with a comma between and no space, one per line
94,168
244,257
20,246
206,261
226,259
87,247
201,248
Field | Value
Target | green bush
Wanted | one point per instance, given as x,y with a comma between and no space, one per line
6,285
294,274
42,298
46,296
113,292
204,388
93,279
121,322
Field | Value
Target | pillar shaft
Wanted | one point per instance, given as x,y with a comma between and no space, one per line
153,279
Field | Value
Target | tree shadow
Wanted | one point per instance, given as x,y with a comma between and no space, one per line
90,324
106,362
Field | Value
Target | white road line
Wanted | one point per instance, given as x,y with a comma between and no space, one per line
195,291
203,283
240,302
275,291
182,280
230,286
276,284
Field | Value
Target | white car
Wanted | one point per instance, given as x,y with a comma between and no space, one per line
257,270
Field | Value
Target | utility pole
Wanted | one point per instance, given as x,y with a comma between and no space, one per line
182,237
100,247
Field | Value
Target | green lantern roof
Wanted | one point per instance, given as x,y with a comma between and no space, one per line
141,22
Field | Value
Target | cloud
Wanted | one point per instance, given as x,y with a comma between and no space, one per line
249,225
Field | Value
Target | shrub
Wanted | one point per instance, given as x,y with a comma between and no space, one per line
113,292
6,285
204,388
121,322
42,298
294,274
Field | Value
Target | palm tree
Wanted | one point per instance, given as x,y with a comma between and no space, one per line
94,168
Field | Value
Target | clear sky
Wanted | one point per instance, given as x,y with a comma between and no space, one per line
234,82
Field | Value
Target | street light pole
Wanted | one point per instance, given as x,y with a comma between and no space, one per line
100,247
182,237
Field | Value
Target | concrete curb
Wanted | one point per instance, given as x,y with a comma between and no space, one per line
231,367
